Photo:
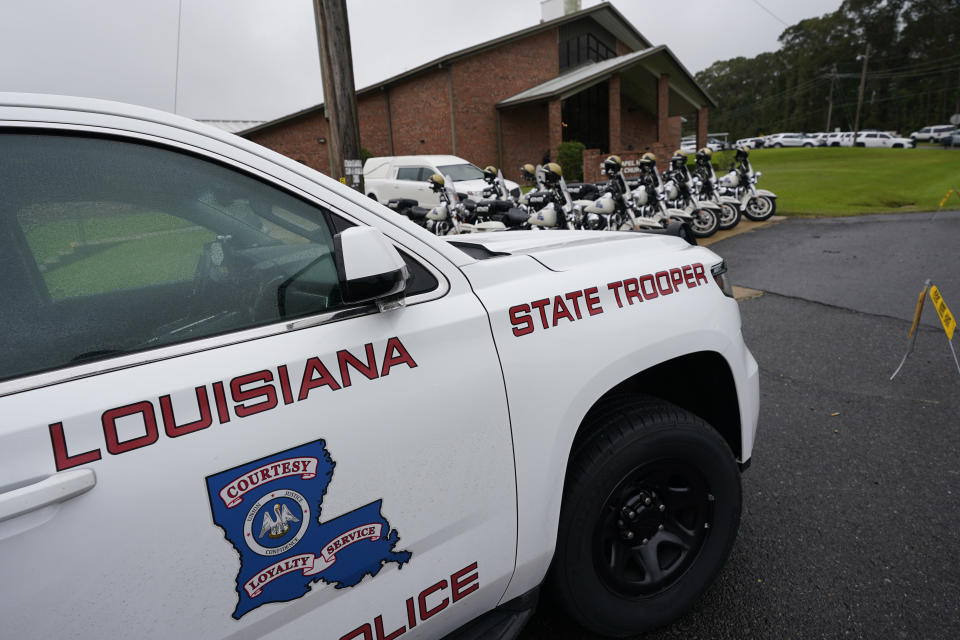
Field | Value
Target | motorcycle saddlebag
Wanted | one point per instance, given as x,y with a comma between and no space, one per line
417,213
399,204
516,216
583,191
494,206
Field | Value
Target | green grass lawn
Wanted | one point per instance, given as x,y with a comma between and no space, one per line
843,181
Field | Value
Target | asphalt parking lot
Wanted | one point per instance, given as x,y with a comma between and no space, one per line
851,525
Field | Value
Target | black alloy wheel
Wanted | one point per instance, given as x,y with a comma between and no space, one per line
653,525
650,511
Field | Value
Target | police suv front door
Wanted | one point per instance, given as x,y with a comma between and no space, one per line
242,453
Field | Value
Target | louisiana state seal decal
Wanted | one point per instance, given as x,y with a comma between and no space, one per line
269,510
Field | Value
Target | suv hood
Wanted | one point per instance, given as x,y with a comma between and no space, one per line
563,250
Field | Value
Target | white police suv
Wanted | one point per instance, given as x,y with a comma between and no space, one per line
241,400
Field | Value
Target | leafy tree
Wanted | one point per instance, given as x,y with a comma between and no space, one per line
570,159
913,71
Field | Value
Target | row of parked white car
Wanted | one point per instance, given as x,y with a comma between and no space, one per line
940,134
833,139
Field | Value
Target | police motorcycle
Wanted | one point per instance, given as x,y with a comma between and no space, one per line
620,208
681,191
542,193
498,204
740,182
709,190
452,216
558,210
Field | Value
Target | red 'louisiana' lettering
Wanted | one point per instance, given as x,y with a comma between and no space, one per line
402,356
63,459
241,395
109,420
251,393
170,425
368,368
324,379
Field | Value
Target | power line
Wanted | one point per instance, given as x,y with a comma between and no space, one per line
939,61
757,2
903,97
803,87
914,74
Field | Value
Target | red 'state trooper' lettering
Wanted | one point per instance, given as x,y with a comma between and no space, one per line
577,305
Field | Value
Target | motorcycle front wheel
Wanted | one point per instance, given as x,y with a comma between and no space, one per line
705,223
760,208
729,216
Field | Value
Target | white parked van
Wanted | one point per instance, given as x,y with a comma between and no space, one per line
406,177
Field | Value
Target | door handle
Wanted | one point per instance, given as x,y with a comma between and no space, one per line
57,488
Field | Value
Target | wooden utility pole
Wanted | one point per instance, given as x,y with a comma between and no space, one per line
863,81
339,94
833,78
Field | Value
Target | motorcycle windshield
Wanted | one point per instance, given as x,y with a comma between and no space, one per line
502,184
451,191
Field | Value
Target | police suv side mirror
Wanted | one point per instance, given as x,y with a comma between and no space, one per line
369,268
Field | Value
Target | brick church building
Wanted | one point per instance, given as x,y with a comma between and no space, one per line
588,76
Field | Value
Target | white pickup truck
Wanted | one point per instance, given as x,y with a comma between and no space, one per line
241,400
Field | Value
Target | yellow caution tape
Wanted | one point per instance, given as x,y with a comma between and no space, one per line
918,311
946,318
947,197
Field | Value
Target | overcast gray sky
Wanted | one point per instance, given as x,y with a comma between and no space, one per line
257,59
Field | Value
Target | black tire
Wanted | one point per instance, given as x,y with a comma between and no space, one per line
861,144
664,467
777,145
808,145
705,223
729,217
760,208
898,146
373,197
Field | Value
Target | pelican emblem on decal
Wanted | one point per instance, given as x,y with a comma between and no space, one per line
279,527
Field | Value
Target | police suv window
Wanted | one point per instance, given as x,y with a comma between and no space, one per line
111,247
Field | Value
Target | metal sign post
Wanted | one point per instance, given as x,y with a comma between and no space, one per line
353,171
946,319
